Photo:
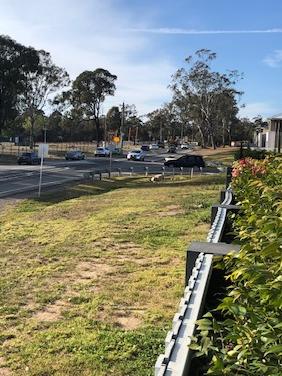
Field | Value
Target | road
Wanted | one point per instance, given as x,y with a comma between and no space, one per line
16,179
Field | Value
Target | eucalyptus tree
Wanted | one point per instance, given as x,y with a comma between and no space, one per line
164,122
88,92
199,92
16,61
46,80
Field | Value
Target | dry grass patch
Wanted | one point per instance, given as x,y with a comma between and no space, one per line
171,210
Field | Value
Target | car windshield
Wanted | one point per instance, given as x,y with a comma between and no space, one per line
136,151
100,149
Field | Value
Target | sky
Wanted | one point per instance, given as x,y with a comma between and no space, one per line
144,42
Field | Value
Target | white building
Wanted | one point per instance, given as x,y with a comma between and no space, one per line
271,137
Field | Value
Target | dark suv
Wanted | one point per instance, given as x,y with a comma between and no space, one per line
74,155
29,158
186,161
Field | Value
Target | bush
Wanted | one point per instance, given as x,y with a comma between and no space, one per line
245,153
247,340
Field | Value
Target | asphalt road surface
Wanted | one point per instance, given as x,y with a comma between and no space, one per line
16,179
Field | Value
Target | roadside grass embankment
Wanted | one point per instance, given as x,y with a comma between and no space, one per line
91,276
221,155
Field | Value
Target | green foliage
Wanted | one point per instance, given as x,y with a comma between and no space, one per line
247,340
249,153
16,61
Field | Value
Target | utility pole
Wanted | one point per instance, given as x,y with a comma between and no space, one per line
105,130
122,126
136,135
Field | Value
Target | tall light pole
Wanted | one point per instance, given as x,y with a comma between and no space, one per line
122,126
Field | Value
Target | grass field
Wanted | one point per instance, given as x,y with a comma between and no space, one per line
91,278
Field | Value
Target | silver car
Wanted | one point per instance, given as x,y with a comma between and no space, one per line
136,155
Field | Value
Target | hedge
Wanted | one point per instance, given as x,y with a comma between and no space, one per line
246,340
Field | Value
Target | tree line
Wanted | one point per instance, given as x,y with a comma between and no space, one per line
204,104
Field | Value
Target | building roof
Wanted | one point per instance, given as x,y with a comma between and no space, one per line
276,117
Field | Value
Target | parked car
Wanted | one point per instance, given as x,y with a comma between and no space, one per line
74,155
116,151
171,149
102,152
29,158
137,155
145,147
185,161
154,146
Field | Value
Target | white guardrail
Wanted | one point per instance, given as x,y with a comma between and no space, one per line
177,357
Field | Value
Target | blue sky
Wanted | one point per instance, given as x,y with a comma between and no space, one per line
143,42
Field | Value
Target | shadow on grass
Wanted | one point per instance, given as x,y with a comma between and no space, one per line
137,182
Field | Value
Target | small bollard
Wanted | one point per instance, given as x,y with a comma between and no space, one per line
192,172
201,170
131,171
181,170
146,171
119,171
163,173
173,172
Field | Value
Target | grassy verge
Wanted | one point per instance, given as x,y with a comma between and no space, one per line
91,277
222,155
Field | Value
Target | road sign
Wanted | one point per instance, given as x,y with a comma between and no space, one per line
116,139
43,150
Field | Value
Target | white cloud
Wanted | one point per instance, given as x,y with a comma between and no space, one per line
253,109
274,60
166,30
88,35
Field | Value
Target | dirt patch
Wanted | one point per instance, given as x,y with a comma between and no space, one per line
171,210
52,312
4,371
128,322
125,318
91,270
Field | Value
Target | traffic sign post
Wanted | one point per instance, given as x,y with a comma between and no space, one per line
42,152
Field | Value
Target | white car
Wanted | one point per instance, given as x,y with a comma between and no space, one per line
186,146
102,152
154,146
136,155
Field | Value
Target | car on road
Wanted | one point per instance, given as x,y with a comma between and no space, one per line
185,146
116,151
30,158
171,149
102,152
136,155
74,155
154,147
145,147
185,161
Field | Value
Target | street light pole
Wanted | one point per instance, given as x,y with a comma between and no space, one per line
121,127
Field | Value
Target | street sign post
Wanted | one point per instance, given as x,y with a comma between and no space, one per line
42,152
